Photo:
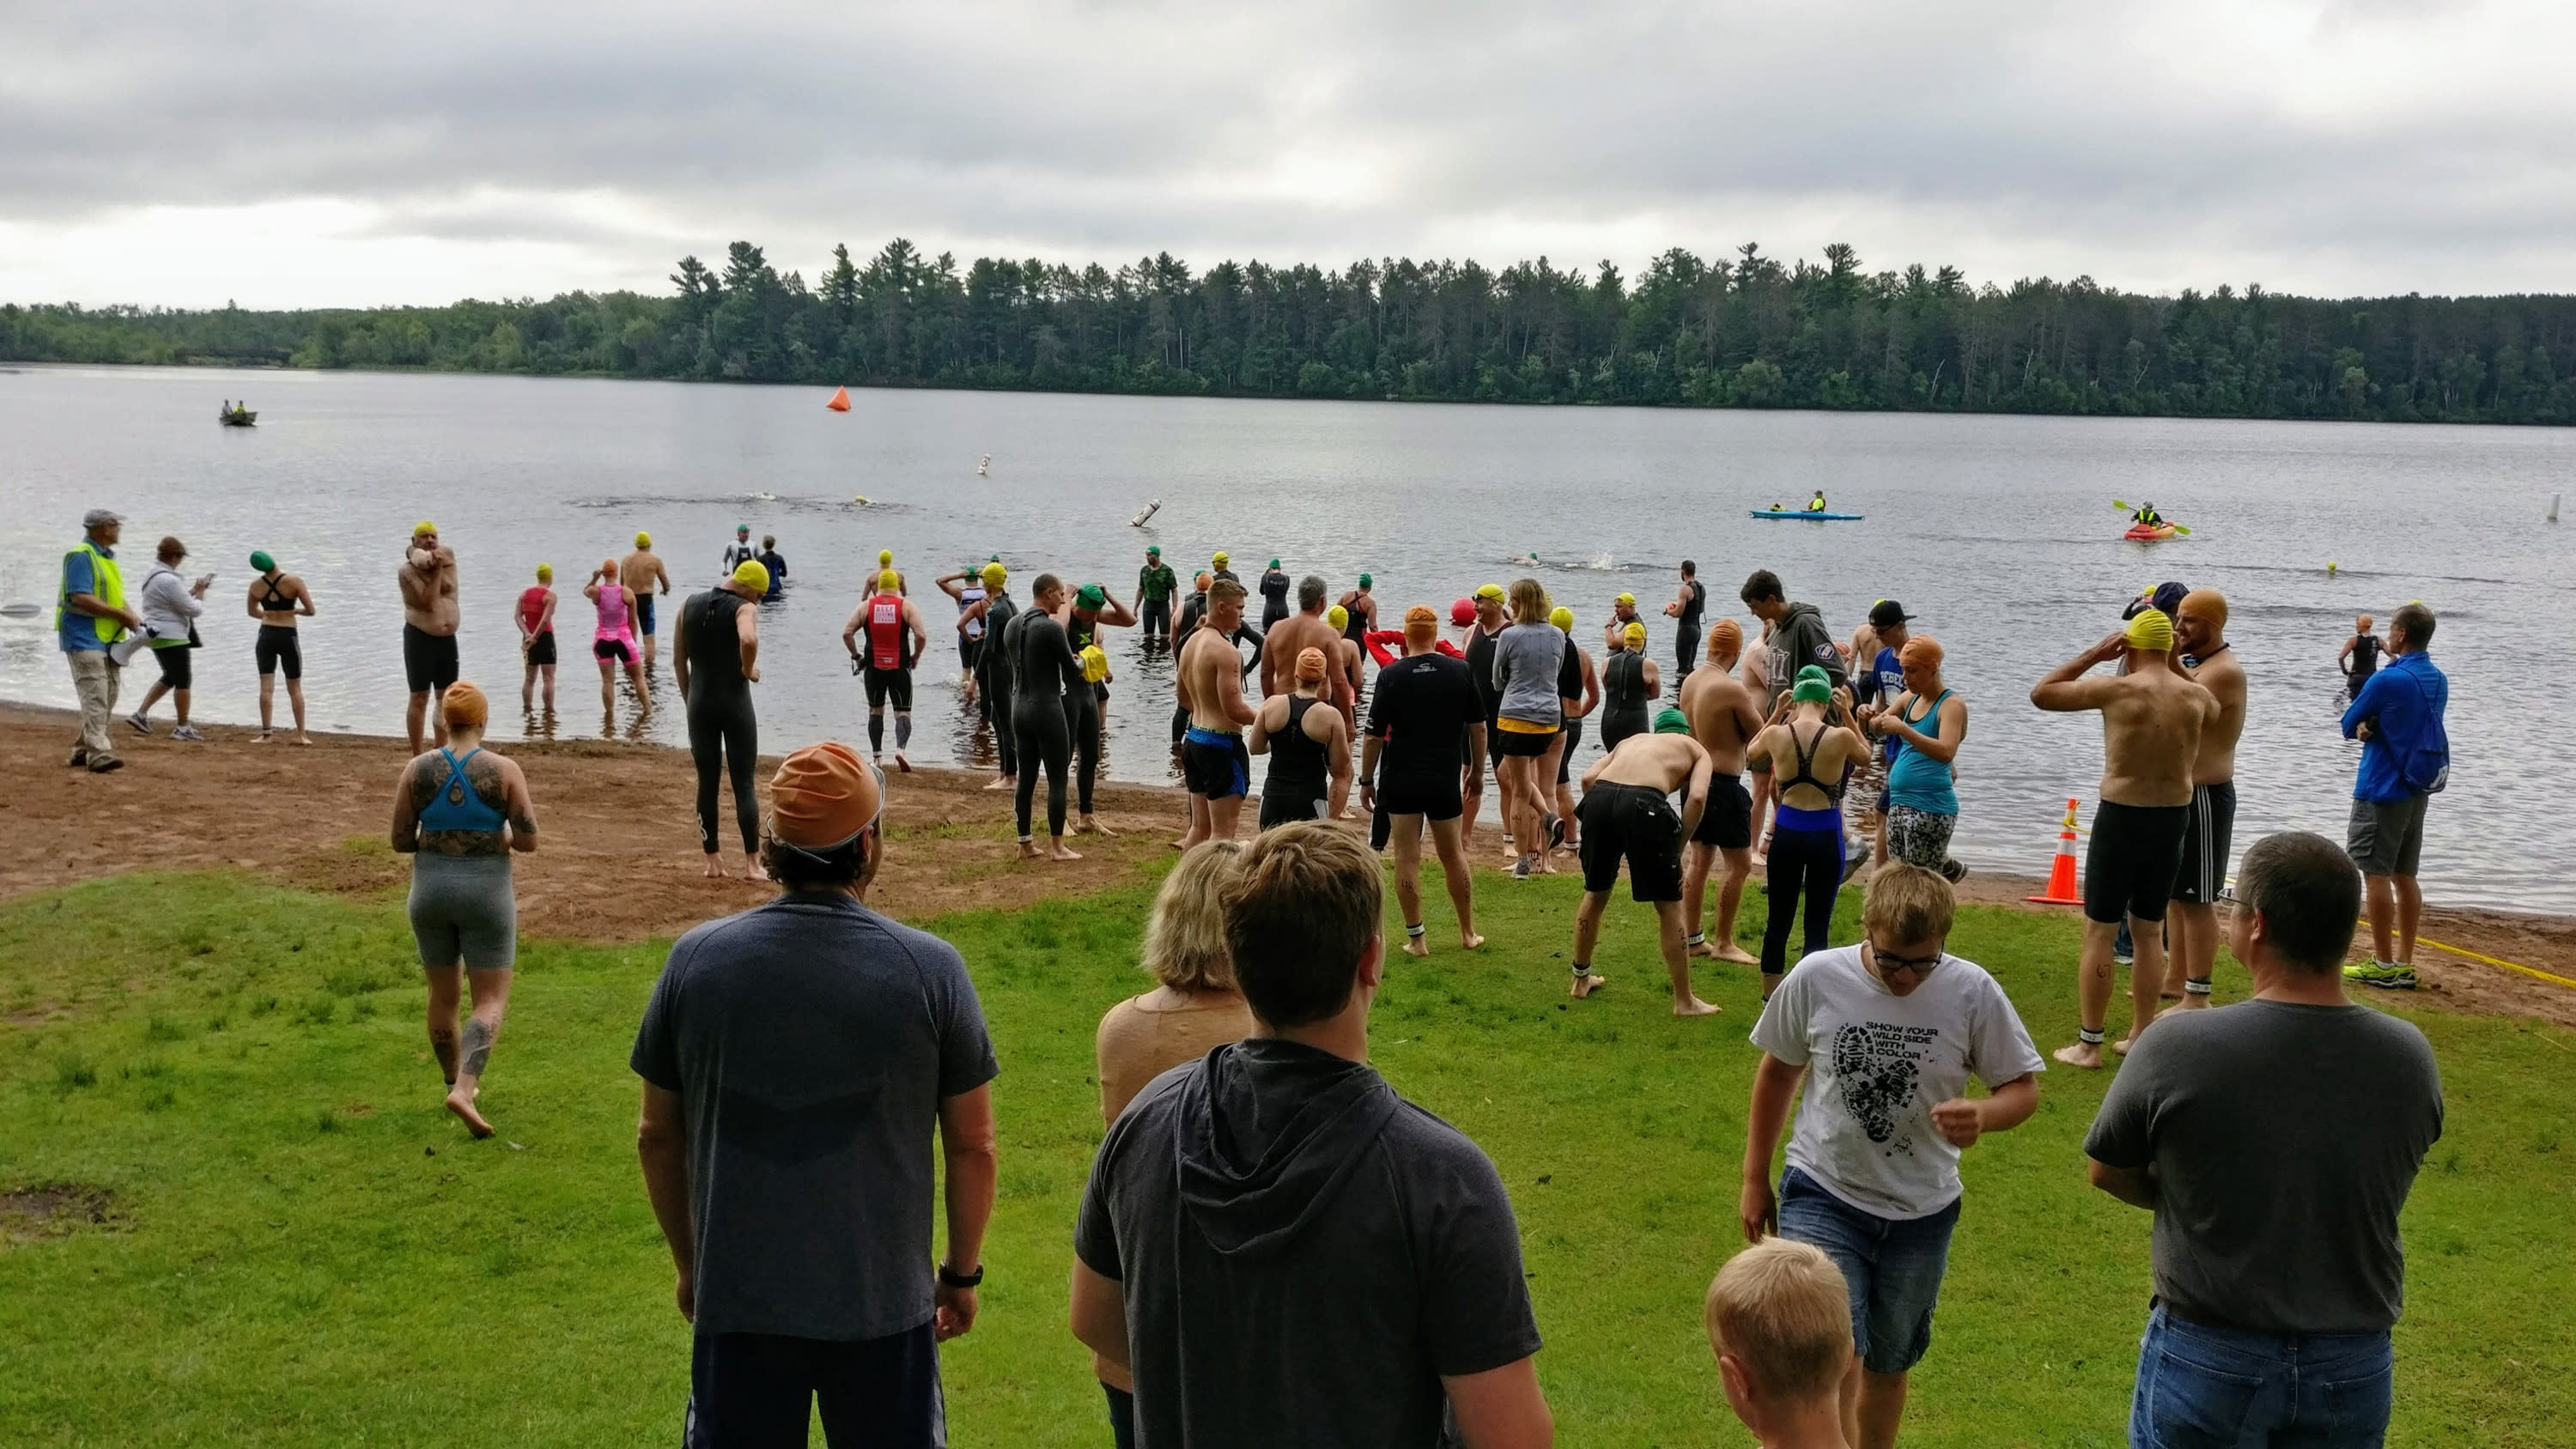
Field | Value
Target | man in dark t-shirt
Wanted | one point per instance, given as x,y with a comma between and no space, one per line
1278,1247
1426,739
796,1059
2276,1141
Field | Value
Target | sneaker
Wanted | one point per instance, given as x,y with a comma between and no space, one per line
80,758
1953,872
2387,975
1521,868
2121,960
189,733
138,723
102,764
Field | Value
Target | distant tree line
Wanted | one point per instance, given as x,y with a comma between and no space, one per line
1745,331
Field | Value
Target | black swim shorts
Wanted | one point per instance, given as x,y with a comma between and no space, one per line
2130,866
279,647
2207,843
1216,771
541,649
1637,823
612,649
1521,744
429,660
1727,821
1431,797
889,684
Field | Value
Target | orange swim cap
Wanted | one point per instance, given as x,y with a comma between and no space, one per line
1310,665
822,797
464,707
1421,623
1922,651
1725,637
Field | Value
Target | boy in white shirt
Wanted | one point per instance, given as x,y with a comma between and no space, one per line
1891,1030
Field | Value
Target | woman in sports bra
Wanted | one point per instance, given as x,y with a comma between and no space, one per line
277,600
1928,723
458,813
613,643
1812,746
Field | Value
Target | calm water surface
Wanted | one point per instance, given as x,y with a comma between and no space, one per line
1997,531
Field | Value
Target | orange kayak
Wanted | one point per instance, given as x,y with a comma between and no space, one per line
2140,533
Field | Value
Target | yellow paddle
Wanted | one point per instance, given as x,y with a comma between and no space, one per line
2176,527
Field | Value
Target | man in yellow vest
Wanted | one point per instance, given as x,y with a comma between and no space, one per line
89,615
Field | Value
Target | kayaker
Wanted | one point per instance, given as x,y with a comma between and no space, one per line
2147,517
1817,503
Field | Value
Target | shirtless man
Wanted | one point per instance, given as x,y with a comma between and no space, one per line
1214,763
428,580
1724,717
1305,629
643,572
2152,722
2200,632
1628,812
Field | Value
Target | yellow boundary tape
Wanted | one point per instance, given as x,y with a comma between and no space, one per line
2490,960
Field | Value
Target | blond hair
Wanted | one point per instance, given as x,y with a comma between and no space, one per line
1782,1311
1906,905
1529,602
1185,935
1224,591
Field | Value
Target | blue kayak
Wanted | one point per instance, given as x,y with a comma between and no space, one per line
1818,517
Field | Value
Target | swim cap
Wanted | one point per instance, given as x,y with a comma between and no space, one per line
885,557
643,539
1222,557
1489,591
1274,563
424,526
1635,634
1365,580
545,571
1562,617
1421,623
1628,599
1201,580
261,561
1095,663
1670,721
2151,631
464,706
823,797
994,574
1338,617
1818,690
1922,651
1461,613
2207,604
752,575
1310,665
1153,550
889,581
1090,596
608,568
742,528
1726,636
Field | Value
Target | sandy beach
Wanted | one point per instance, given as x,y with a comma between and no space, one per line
618,857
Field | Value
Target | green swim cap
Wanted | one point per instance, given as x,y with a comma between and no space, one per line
1365,580
1274,563
1090,596
260,560
1670,721
1814,686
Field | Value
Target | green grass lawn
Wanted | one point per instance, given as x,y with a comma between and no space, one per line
304,1249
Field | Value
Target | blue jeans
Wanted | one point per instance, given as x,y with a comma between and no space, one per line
2223,1388
1891,1266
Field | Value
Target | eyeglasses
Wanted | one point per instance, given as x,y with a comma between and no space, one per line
1918,966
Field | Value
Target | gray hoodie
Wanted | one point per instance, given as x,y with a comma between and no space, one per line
1798,640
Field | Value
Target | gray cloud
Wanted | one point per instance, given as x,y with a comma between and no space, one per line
2354,145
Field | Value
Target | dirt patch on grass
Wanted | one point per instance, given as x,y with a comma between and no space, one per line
56,1210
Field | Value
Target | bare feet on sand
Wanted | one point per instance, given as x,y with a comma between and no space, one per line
463,1107
1088,826
2080,1054
751,869
901,763
715,867
1588,983
1693,1006
1060,853
1007,782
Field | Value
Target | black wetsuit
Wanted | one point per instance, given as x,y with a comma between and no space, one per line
993,665
1623,698
1045,673
1085,704
1274,599
1480,669
723,734
1686,627
1300,782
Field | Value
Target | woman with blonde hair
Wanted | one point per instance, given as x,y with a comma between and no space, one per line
1193,1010
1535,677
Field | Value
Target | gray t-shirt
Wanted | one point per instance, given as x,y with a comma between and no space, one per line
1529,659
812,1041
2284,1139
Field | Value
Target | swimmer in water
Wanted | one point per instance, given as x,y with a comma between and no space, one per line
1275,584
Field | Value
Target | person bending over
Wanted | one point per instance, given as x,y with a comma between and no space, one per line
1628,813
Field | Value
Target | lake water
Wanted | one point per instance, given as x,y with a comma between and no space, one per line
1998,532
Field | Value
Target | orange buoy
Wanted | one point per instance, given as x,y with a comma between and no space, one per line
840,402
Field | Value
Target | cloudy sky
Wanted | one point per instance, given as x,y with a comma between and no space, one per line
291,153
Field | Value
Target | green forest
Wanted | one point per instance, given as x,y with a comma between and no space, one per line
1745,330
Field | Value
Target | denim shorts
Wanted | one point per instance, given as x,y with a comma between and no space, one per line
2214,1388
1892,1267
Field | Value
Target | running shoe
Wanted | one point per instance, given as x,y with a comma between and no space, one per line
138,723
1953,872
80,759
2387,975
2118,959
102,764
1521,868
1555,830
189,733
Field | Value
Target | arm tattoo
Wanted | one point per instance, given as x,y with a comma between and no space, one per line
478,1046
523,825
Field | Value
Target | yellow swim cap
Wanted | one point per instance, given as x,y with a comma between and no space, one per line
1562,617
1338,617
1635,634
1095,663
885,556
2151,630
424,526
1221,558
1489,591
752,575
1628,599
545,572
643,539
994,574
889,581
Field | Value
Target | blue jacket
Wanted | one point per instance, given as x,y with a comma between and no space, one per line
2405,701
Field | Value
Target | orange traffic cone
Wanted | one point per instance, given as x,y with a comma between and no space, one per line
840,402
2061,871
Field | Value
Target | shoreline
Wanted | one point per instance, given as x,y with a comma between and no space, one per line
618,857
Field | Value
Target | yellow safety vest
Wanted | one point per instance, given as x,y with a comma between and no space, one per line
107,585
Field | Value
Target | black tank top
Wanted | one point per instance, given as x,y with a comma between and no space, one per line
1623,688
1807,767
1296,759
1698,604
715,650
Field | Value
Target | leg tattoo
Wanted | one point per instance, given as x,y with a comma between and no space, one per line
442,1045
478,1046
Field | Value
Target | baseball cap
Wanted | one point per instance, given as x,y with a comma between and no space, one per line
1887,612
101,517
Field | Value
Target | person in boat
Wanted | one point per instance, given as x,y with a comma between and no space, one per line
1817,503
2147,517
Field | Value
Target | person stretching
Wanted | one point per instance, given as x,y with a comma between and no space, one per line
715,659
992,614
1628,813
1811,745
895,640
1045,670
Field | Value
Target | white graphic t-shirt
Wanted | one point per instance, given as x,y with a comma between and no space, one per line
1878,1063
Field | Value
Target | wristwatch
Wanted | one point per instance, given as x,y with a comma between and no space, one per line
951,1278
